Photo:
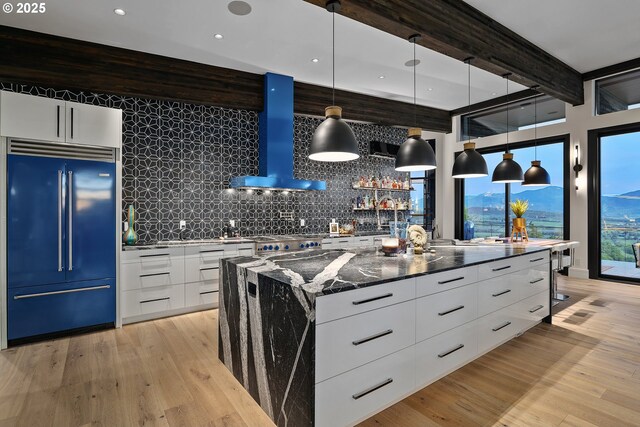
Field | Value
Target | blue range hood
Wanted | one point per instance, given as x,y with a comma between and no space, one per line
276,142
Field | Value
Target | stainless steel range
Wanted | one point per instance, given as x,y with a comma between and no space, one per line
286,243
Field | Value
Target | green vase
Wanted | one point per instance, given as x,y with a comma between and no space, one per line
130,236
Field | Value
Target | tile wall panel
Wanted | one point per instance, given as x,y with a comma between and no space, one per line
178,159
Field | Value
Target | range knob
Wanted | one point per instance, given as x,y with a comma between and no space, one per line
315,244
265,247
286,247
307,245
277,248
270,247
302,245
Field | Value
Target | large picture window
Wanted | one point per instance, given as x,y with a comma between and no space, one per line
485,206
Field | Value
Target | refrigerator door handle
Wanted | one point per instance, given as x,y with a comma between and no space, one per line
60,220
70,207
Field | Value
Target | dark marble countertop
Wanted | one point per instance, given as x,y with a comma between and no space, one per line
325,271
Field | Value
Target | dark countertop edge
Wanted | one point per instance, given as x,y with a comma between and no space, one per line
409,276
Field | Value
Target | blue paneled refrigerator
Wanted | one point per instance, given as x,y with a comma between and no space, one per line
61,244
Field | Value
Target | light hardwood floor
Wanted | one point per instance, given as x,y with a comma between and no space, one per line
582,371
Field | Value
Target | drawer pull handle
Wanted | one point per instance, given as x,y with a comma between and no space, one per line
208,292
154,274
534,309
536,260
209,268
444,313
501,327
501,293
153,255
444,282
212,251
364,301
343,241
373,337
155,300
501,268
66,291
453,350
372,389
537,280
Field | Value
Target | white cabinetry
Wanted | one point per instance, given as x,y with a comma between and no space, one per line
347,242
45,119
376,345
164,282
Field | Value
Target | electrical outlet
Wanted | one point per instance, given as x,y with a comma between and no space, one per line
183,224
302,223
232,222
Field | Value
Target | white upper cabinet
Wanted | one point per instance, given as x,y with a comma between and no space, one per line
46,119
92,125
32,117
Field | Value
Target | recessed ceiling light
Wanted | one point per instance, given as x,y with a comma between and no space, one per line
218,36
119,12
315,60
412,63
239,8
493,94
430,89
381,77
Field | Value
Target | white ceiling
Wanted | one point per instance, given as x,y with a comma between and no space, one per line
283,36
585,34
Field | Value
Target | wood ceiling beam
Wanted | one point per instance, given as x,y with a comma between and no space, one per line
458,30
62,63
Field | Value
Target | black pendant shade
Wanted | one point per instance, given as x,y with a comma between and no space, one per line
470,163
333,140
536,176
415,154
507,171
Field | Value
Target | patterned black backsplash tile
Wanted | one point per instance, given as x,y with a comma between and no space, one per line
178,159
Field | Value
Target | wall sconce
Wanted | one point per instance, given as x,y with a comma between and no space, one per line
577,167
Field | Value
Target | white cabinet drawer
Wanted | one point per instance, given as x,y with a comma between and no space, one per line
438,282
350,342
493,269
535,280
445,310
534,308
499,292
440,355
197,273
200,294
356,395
364,241
147,301
538,258
348,303
160,270
497,328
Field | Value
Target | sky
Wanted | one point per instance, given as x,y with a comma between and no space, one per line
551,156
620,164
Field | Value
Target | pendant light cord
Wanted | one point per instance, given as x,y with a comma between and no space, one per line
507,77
333,59
535,127
468,96
415,104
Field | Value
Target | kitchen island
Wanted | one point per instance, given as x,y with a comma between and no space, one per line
331,337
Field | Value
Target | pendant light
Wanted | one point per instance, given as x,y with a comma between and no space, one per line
469,163
507,171
415,154
333,140
536,175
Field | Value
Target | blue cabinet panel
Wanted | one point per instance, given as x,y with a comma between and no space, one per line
52,308
33,246
92,224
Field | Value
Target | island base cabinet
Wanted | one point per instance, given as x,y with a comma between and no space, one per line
497,328
444,353
353,396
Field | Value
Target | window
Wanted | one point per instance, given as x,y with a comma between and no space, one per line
493,121
486,212
423,199
618,93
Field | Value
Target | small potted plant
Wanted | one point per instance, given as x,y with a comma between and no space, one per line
519,207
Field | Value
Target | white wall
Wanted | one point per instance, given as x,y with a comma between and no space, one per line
579,121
